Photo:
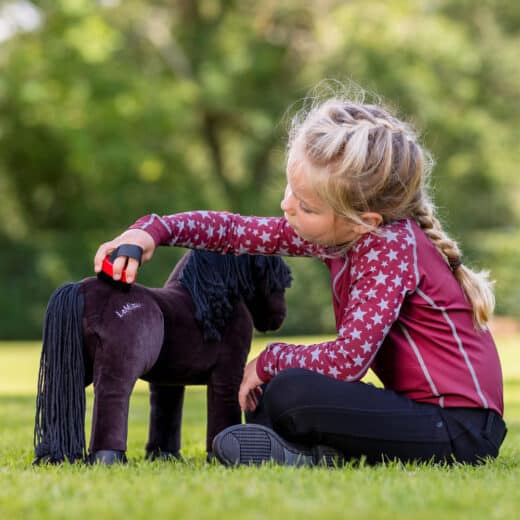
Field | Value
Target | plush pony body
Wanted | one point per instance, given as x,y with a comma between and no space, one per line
197,329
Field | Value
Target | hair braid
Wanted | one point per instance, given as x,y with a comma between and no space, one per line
425,217
476,285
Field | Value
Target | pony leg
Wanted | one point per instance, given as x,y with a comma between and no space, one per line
164,436
110,413
223,408
130,334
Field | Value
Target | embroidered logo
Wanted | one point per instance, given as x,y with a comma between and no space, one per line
127,308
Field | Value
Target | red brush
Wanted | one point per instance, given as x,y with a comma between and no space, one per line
108,269
107,272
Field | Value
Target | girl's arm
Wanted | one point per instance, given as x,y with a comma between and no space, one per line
227,233
211,230
383,271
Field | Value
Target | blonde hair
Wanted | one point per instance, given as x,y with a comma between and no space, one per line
363,159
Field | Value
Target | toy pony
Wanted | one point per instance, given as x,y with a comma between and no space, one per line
197,329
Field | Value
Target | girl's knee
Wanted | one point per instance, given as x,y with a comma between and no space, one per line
287,390
286,380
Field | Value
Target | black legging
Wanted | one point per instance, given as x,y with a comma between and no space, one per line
361,420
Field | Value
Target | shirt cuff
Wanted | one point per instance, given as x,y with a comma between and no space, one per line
260,364
152,225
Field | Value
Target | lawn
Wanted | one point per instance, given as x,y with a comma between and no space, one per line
194,489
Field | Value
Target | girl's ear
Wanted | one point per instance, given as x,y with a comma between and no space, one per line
371,220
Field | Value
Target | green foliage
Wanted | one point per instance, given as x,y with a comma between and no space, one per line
110,110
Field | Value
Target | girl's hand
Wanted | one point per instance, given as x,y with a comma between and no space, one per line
136,237
250,388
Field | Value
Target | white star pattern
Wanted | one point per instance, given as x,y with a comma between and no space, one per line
358,361
397,281
265,237
355,293
367,347
358,314
409,239
371,293
391,236
381,278
383,305
377,319
373,255
368,295
334,372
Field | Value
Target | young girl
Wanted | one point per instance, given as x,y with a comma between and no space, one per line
404,303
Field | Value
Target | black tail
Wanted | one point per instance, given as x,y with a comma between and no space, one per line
59,431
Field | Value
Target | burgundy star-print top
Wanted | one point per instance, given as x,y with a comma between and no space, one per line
399,309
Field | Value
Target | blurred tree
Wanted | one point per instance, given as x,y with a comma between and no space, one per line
109,110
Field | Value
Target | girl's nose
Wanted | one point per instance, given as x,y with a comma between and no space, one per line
286,205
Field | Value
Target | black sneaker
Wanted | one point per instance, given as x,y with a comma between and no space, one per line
254,444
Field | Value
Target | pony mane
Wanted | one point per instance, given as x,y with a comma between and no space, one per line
216,282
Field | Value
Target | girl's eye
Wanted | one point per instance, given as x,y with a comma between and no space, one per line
305,209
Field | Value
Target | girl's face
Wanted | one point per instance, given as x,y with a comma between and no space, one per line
311,217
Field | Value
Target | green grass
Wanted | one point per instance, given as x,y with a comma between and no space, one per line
194,489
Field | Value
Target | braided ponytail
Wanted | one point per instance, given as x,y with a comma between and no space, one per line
476,285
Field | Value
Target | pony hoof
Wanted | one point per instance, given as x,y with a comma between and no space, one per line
163,455
47,459
211,458
107,457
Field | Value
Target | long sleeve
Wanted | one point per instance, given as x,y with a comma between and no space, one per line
382,271
228,233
